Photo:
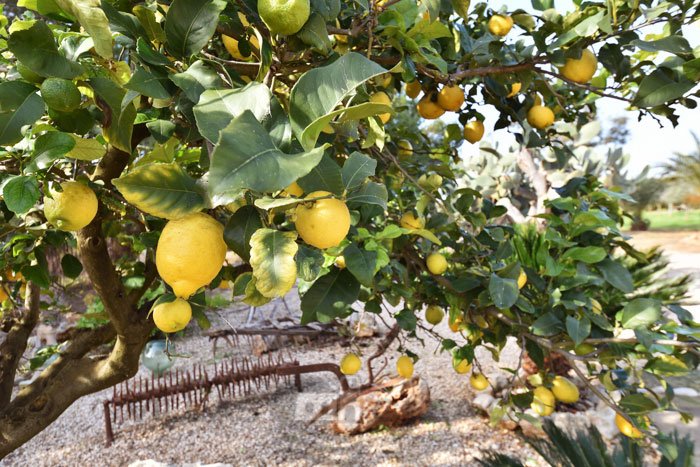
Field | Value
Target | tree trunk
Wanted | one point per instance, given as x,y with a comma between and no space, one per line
75,373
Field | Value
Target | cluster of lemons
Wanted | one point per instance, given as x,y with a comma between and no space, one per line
351,364
10,276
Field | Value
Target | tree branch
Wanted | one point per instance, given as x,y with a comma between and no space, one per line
15,342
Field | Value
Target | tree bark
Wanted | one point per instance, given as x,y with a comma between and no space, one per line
75,373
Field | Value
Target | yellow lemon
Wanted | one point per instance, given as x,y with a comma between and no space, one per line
597,307
385,80
405,148
429,109
626,428
295,190
514,89
381,98
474,131
478,381
462,367
231,45
172,316
543,402
190,253
437,264
340,262
434,314
522,279
564,390
284,16
410,221
454,325
71,209
12,276
350,364
540,116
323,223
451,98
3,294
580,70
413,89
404,366
500,25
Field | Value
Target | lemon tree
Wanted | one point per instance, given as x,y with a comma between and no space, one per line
292,134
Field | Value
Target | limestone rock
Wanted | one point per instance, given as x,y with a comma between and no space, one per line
483,401
405,401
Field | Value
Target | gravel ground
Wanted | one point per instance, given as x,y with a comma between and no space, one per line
268,428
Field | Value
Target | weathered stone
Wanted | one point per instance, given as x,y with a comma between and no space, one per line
405,401
483,401
528,428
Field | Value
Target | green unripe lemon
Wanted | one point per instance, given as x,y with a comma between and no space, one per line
434,314
284,16
60,94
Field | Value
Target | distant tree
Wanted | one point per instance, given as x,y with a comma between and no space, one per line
685,167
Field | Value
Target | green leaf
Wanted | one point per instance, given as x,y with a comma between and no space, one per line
658,88
161,130
406,319
86,149
189,24
329,297
640,313
21,193
616,275
21,106
272,259
504,292
90,15
671,44
162,190
148,21
542,4
546,325
240,228
315,34
360,263
667,365
253,297
588,254
325,176
218,107
425,234
49,147
37,274
578,329
71,266
199,316
146,54
119,115
637,404
121,22
246,157
36,49
371,193
150,83
322,89
356,169
309,263
196,79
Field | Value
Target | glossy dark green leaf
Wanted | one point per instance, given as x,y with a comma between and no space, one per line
93,20
309,263
119,116
36,49
616,275
37,274
239,228
150,83
71,266
329,297
21,106
357,168
578,329
122,22
370,193
671,44
48,148
246,157
637,404
588,254
21,193
161,130
325,176
504,292
659,88
196,79
189,24
360,263
546,325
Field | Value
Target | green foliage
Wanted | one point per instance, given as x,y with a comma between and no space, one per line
168,125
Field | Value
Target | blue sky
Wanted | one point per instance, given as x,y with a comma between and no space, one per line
648,144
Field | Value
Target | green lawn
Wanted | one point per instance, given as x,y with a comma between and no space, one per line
675,220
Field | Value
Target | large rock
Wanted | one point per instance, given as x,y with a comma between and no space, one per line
405,401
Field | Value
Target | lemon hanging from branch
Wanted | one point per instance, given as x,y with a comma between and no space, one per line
72,208
322,223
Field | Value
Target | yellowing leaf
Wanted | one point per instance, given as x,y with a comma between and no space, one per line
272,258
86,149
93,19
